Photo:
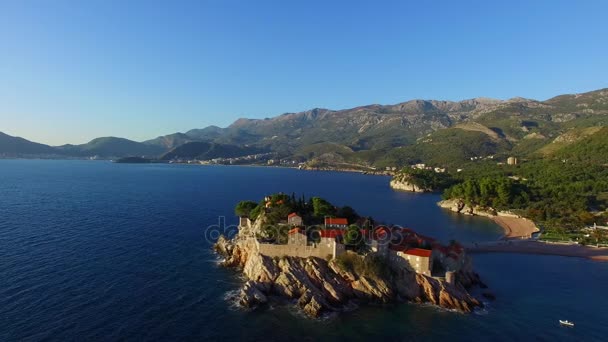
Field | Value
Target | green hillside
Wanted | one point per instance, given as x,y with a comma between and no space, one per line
592,149
448,147
17,147
206,150
441,133
108,147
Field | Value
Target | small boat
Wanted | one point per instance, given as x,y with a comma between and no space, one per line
566,323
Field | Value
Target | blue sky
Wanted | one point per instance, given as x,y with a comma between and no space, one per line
74,70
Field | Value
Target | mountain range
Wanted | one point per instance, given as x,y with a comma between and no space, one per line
437,132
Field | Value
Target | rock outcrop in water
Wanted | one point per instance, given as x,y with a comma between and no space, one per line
404,185
319,286
459,206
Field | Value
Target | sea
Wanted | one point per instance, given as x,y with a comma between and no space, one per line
97,251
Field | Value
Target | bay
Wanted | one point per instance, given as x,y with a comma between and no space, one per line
91,250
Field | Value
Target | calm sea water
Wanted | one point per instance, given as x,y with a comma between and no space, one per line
102,251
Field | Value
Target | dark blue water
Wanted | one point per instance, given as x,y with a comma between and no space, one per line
101,251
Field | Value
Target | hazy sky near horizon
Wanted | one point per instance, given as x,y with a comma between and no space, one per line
74,70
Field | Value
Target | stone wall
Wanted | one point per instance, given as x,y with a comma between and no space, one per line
272,250
297,239
320,250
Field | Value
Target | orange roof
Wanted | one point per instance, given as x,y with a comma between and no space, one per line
295,230
419,252
336,221
292,215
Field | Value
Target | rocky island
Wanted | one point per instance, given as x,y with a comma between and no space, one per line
326,259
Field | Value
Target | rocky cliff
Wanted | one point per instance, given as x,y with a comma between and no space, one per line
319,286
459,206
403,182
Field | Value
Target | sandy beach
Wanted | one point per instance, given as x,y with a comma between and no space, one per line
516,227
518,231
537,247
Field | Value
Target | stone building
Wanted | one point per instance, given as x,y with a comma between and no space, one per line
294,219
331,241
297,237
419,260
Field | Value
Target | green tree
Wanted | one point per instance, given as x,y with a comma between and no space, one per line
353,237
598,235
504,192
322,208
348,213
471,192
485,191
256,212
244,208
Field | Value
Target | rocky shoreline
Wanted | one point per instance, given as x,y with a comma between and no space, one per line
320,286
351,170
458,206
402,182
514,225
404,185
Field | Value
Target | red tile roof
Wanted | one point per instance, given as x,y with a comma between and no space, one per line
292,215
336,221
381,233
295,230
330,233
419,252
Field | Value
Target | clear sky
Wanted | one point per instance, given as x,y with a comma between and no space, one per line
74,70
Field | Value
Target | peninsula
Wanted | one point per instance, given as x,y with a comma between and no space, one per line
327,258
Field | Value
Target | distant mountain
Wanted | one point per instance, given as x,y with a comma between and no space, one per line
438,132
17,147
113,147
202,150
170,141
176,139
207,133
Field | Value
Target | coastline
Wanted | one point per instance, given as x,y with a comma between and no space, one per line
515,227
543,248
363,172
518,236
